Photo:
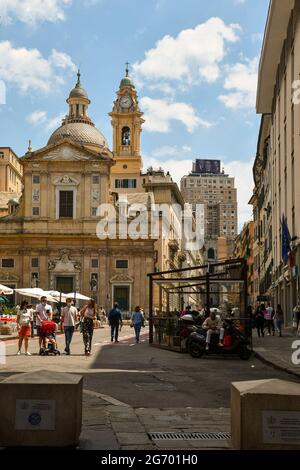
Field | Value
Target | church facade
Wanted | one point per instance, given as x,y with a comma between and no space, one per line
50,239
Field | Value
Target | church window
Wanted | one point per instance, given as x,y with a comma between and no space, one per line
34,262
95,263
122,264
66,204
96,179
36,179
126,136
8,263
35,211
94,211
125,183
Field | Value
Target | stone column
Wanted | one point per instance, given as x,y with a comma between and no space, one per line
26,281
103,281
85,274
28,194
44,195
44,282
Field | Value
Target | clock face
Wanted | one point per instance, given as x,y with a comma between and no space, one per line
126,101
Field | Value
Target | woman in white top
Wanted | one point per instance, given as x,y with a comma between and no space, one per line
88,315
24,319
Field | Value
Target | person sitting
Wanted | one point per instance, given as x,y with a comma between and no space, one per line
212,325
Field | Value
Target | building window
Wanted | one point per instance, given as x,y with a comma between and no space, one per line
8,263
95,179
125,136
211,253
95,263
94,211
34,262
36,179
66,199
125,183
122,264
35,211
1,155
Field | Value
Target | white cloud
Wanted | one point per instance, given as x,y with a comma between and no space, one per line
169,150
29,70
41,118
36,117
192,56
32,12
159,113
241,81
62,60
240,170
164,88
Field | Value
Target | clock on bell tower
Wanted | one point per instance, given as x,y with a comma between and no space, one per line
127,121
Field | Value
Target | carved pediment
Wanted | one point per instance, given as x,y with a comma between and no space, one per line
8,277
64,264
121,278
65,153
66,181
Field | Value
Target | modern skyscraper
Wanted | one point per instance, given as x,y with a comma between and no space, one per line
207,184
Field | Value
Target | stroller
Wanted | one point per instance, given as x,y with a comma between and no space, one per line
48,332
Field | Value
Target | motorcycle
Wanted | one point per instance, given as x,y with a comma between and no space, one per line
234,343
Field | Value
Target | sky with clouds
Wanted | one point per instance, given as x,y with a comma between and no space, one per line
194,63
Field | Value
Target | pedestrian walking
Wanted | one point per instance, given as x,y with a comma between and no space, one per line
68,321
32,311
279,319
24,319
138,321
102,316
115,319
260,320
43,313
269,319
296,316
88,315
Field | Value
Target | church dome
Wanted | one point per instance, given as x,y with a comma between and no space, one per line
79,132
78,92
77,125
127,81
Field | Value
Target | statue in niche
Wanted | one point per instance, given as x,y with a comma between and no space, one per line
34,280
94,282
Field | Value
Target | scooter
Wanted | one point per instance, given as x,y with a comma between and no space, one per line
235,343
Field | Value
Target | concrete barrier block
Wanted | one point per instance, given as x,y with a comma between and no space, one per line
265,415
42,409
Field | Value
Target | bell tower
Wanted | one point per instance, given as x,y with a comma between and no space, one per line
127,121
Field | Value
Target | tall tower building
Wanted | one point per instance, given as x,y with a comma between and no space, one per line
127,120
210,186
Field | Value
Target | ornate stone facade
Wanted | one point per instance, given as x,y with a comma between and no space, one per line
50,240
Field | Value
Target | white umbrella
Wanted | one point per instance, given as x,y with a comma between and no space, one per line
59,296
35,293
5,290
78,296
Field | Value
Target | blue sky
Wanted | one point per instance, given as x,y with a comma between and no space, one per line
194,63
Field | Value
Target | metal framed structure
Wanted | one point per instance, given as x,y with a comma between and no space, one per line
221,284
